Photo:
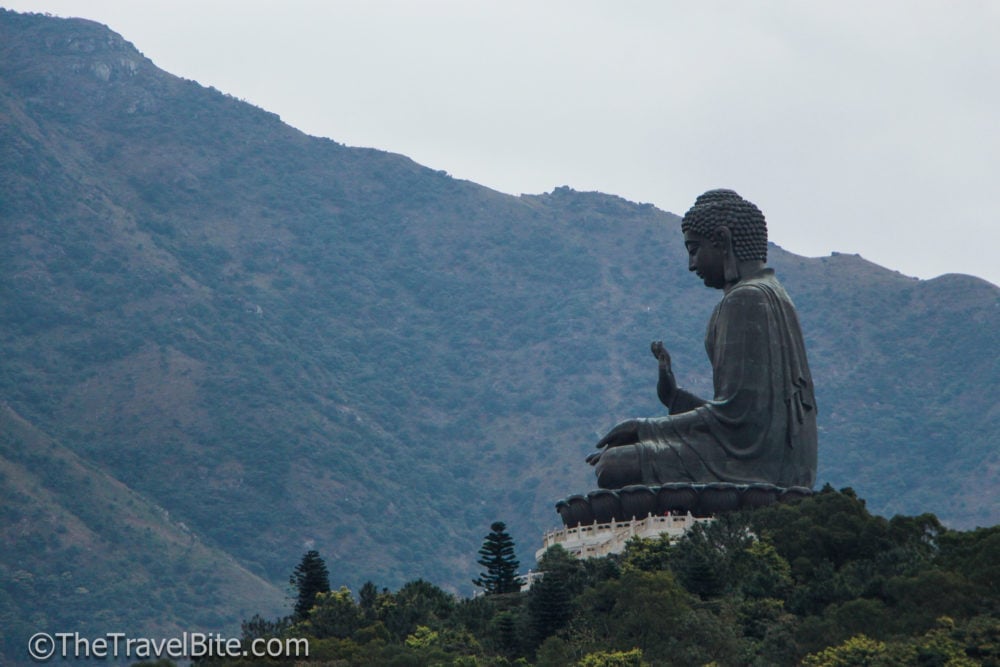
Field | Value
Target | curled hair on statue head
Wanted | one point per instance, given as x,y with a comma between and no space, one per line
745,221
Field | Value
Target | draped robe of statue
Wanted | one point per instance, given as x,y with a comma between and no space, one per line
761,424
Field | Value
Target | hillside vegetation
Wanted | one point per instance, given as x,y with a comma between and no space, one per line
282,343
821,583
82,551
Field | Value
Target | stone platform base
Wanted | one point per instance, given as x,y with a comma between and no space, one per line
701,500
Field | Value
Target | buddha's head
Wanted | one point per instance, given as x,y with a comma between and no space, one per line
721,231
745,222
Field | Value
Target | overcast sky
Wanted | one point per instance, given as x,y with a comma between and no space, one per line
857,126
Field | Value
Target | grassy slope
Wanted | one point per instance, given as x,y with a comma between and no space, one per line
82,551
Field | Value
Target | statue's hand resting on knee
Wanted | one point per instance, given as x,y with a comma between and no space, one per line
625,433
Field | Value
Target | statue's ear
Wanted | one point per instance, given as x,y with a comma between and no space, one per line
722,238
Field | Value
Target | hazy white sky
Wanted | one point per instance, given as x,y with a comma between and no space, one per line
857,126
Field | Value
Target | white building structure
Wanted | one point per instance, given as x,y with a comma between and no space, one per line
601,539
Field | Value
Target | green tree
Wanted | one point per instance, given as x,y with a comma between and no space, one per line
309,579
258,627
417,603
647,554
631,658
550,600
761,572
549,605
505,634
859,651
367,599
497,556
555,652
335,614
639,610
976,554
557,561
422,637
702,562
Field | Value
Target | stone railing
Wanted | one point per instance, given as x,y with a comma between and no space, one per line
600,539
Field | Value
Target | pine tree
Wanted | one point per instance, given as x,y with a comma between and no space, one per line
550,598
368,601
309,578
549,606
497,556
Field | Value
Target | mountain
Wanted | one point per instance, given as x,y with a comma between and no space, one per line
268,342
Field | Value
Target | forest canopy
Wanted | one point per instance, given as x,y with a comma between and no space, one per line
821,582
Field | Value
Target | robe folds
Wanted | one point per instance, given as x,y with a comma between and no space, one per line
761,424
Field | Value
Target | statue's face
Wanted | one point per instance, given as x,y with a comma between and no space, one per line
705,259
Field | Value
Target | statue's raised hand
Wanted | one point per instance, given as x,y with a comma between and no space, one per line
666,384
661,354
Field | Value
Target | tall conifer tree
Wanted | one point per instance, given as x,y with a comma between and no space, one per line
497,556
309,578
